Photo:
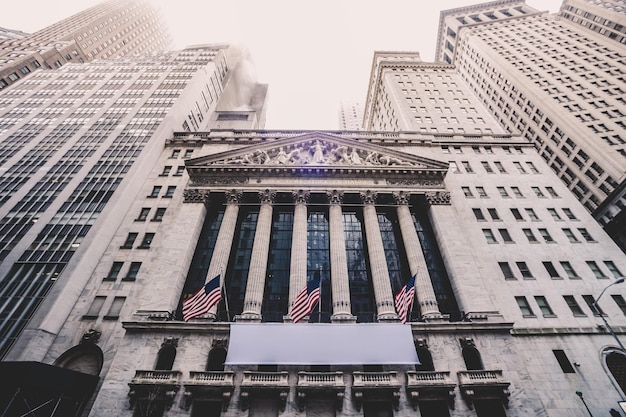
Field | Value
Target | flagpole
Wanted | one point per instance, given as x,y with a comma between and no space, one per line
225,295
319,319
412,301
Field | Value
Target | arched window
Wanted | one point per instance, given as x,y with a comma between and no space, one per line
471,356
616,362
166,356
425,358
217,357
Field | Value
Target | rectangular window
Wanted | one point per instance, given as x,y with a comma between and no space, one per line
478,213
569,270
487,167
531,213
621,303
188,153
597,272
132,271
493,213
523,269
551,191
115,309
530,235
524,307
155,191
537,192
506,237
517,192
506,270
573,305
570,235
502,192
614,269
180,170
554,214
551,270
467,167
585,234
546,235
500,167
166,171
516,213
519,167
590,301
130,239
570,215
147,241
467,192
143,214
170,191
543,305
563,361
532,168
94,309
158,215
114,271
481,191
175,153
489,236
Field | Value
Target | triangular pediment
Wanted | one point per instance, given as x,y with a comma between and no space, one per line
317,151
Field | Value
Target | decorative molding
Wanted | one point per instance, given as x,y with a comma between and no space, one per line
301,196
267,196
401,197
438,198
91,336
368,197
220,180
233,196
419,182
335,197
194,195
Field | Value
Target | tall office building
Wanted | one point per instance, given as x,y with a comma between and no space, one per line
350,115
114,28
557,79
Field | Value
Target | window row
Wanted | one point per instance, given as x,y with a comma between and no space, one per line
518,214
486,165
167,169
145,211
113,312
533,237
567,270
571,301
516,191
156,190
132,237
176,153
116,268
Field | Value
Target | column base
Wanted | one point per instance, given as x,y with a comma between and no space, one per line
343,318
388,318
433,317
208,317
248,318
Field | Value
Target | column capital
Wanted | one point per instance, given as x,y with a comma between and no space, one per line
233,196
301,196
195,195
335,197
267,196
401,197
438,198
368,197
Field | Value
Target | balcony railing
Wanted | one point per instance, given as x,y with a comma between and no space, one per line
370,382
160,386
156,377
277,382
320,381
481,377
483,384
216,385
429,385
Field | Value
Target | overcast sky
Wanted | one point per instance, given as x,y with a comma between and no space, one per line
311,53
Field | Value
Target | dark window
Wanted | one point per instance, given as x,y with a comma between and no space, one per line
206,409
115,309
473,361
590,301
543,305
147,241
434,408
170,191
478,213
175,153
276,294
180,170
166,170
573,305
377,409
516,213
505,235
506,270
425,358
551,270
217,357
621,303
114,271
564,362
239,261
524,306
493,213
363,306
143,214
489,408
95,307
130,239
188,153
165,358
616,362
132,271
158,215
155,191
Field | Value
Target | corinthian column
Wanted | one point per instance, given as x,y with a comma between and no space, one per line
258,261
221,251
338,260
378,263
417,264
297,279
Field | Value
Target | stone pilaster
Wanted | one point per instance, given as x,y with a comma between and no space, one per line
297,279
338,261
258,261
378,264
417,264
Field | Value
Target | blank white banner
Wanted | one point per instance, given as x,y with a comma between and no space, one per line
320,344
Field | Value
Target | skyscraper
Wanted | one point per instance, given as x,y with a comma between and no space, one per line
110,29
557,79
350,115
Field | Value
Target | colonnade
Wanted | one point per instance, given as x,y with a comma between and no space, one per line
341,308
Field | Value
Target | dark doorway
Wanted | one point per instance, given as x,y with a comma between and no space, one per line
489,408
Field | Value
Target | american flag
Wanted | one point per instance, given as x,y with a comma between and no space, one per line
203,300
404,299
306,300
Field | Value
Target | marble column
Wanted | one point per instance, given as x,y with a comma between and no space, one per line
417,264
385,309
338,261
297,277
255,286
224,242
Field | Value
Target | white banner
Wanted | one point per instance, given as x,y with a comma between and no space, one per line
320,344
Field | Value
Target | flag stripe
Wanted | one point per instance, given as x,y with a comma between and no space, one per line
404,299
203,300
306,300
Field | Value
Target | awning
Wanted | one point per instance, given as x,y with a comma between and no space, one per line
320,344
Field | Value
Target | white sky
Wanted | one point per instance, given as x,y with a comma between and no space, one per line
312,54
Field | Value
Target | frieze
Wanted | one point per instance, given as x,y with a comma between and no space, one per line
220,180
318,152
410,181
193,195
438,198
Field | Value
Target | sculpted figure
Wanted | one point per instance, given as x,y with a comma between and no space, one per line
282,157
318,153
355,158
372,158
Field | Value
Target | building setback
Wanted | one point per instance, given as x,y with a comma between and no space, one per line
559,81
